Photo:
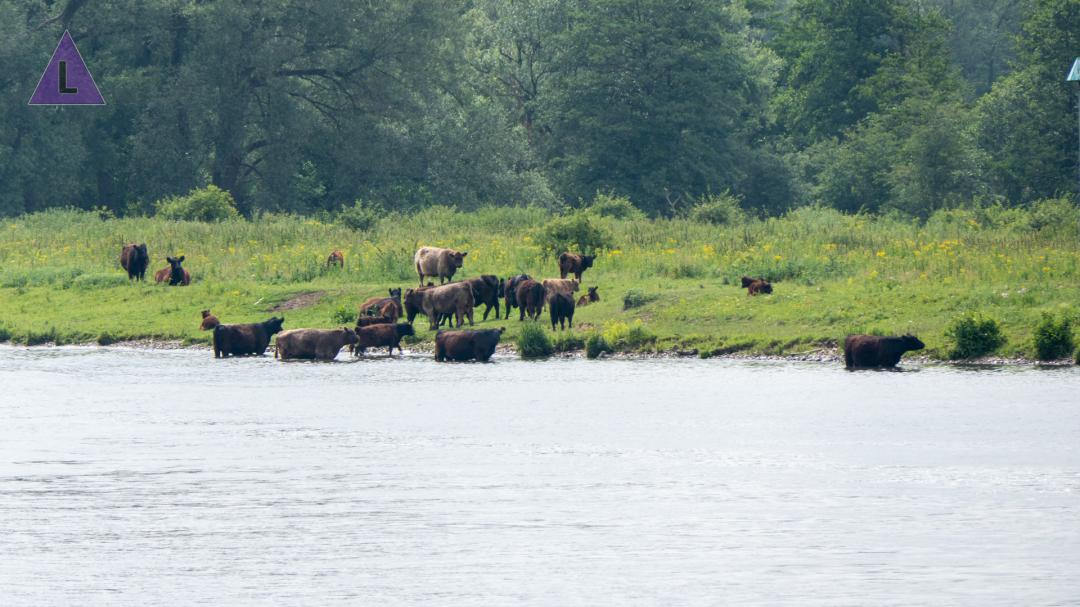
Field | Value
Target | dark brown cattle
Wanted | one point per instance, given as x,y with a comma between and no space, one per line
487,289
574,263
209,321
337,258
530,298
376,336
755,286
135,259
412,300
433,261
874,351
591,297
466,345
561,307
510,291
245,340
176,275
313,344
384,306
366,321
454,298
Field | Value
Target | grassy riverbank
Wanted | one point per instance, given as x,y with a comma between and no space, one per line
60,279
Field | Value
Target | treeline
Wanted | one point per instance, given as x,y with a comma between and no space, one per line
308,105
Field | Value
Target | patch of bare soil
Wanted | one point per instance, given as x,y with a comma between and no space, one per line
300,300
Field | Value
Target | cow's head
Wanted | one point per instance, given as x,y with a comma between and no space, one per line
273,325
593,295
586,261
350,335
176,272
458,258
912,343
396,293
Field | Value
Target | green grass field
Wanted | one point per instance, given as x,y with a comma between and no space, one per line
833,274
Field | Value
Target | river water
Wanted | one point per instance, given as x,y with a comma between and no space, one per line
142,477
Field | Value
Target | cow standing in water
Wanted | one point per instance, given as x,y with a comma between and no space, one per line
865,351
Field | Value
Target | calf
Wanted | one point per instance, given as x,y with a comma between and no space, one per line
873,351
466,345
175,274
530,298
577,264
246,339
433,261
337,258
755,286
313,344
561,307
383,306
591,297
135,259
487,289
367,321
510,291
209,321
375,336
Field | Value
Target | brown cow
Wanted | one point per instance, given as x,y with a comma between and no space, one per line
572,262
376,336
530,298
873,351
563,285
591,297
365,321
487,289
412,300
209,321
561,307
433,261
337,258
755,286
467,345
455,298
510,291
247,339
135,259
176,275
383,306
313,344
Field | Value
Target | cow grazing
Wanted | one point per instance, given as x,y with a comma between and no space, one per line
530,298
755,286
135,259
337,258
455,298
175,274
510,291
591,297
367,321
466,345
487,289
564,285
245,340
561,307
433,261
384,306
874,351
313,344
574,263
209,321
377,336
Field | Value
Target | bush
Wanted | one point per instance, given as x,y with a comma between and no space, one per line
343,316
596,345
5,334
106,339
1053,338
575,232
636,299
624,337
1055,214
533,342
617,207
974,335
723,209
568,342
360,216
202,204
100,281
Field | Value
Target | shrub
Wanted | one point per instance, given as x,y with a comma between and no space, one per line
1055,214
636,299
596,345
575,232
617,207
343,316
533,342
723,209
99,281
202,204
625,337
567,342
360,216
105,338
974,335
1053,338
5,334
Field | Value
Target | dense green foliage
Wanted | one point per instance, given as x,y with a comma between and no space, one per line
1053,338
533,342
295,106
974,335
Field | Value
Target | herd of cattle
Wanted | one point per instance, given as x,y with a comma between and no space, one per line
451,302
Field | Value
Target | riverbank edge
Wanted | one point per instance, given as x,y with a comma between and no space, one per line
822,355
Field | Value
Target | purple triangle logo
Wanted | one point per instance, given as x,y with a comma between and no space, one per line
66,80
